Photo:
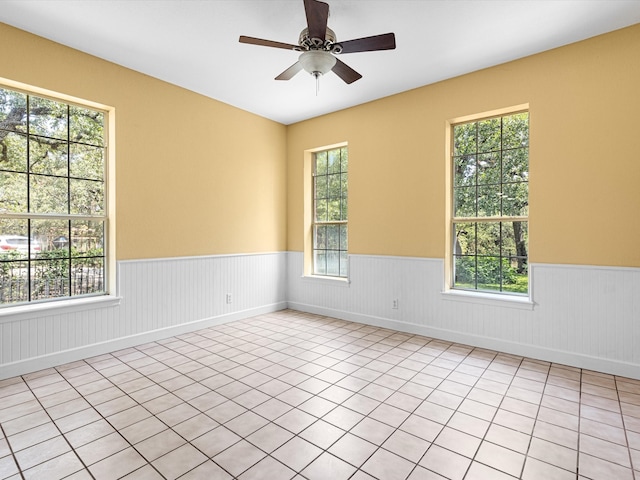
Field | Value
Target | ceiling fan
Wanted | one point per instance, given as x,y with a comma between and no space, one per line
319,46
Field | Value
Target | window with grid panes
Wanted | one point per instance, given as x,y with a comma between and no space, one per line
53,213
330,230
491,204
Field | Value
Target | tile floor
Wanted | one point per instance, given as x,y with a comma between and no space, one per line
293,395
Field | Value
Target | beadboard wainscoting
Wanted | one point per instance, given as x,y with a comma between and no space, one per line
583,316
155,299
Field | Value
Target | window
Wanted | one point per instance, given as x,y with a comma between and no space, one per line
330,237
490,204
53,215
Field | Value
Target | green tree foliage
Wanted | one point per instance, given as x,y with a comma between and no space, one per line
490,175
52,161
330,197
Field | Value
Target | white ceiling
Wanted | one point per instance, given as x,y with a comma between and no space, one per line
194,43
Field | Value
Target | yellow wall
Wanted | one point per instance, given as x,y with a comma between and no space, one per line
197,177
194,176
584,157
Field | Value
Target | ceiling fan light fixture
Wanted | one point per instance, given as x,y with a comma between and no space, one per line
317,62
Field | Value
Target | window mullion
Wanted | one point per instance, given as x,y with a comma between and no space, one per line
483,263
44,266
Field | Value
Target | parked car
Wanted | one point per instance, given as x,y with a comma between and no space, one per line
19,244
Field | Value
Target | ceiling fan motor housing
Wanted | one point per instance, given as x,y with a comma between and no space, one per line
328,45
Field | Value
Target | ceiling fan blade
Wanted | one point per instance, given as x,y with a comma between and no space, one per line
317,18
290,72
386,41
345,72
267,43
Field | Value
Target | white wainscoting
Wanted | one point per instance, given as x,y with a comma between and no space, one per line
158,298
582,316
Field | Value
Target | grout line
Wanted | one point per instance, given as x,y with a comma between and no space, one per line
13,455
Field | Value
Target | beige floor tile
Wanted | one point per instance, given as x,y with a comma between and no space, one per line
317,406
89,433
33,436
159,444
468,424
56,468
421,427
4,447
179,461
514,421
322,434
343,418
435,412
142,430
101,448
128,417
195,426
601,415
521,407
8,467
406,445
420,473
224,412
603,431
485,396
328,466
458,441
269,437
209,471
552,433
117,465
557,403
554,454
361,404
598,469
352,449
445,462
374,431
18,407
511,439
605,450
246,423
535,470
387,465
500,458
480,471
556,417
297,453
477,409
612,405
239,457
295,420
389,415
267,469
41,452
215,441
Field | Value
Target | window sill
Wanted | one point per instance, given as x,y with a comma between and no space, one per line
35,310
492,299
332,281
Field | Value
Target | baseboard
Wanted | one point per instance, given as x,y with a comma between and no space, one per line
578,360
29,365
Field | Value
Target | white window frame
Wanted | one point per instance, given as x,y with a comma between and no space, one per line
309,221
490,297
108,296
